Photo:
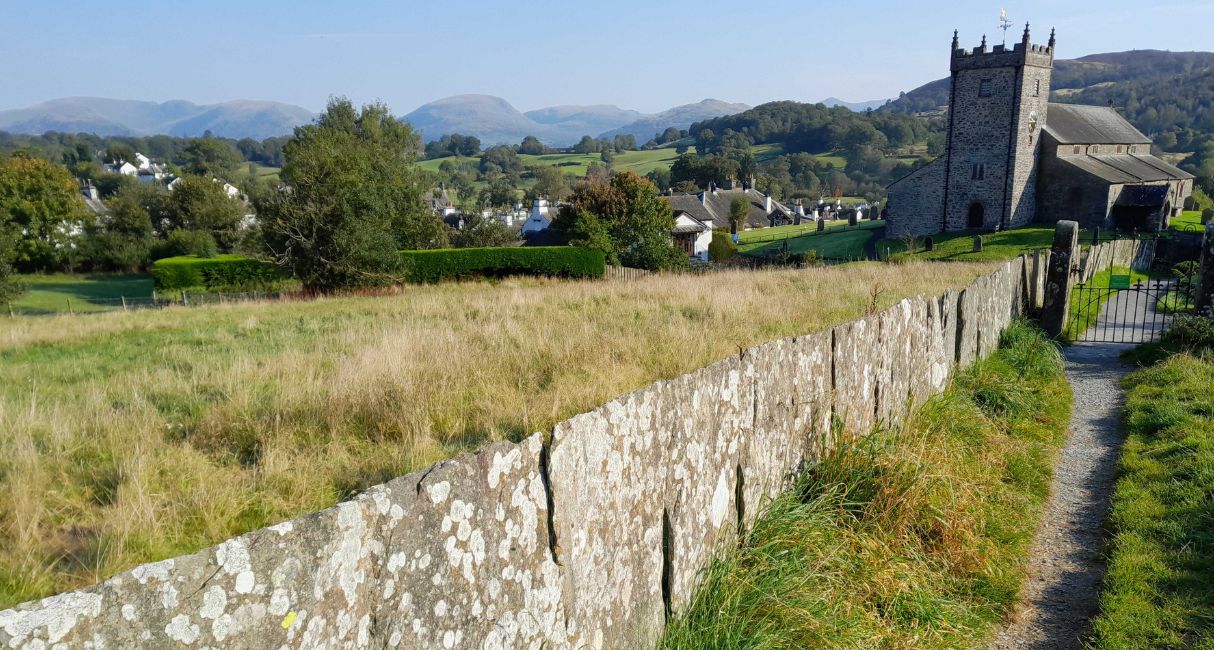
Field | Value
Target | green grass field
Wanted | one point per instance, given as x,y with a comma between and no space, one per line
1158,592
837,242
1189,220
641,162
996,246
912,538
62,292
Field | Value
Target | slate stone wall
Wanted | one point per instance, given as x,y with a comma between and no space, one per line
590,540
1137,254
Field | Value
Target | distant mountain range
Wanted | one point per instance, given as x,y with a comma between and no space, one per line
495,121
236,119
858,107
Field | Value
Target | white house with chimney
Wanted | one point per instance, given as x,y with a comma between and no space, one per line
540,218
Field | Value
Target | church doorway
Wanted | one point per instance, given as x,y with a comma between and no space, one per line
977,215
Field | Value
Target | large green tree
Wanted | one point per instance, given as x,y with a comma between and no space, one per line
210,157
200,203
353,200
624,217
10,284
44,203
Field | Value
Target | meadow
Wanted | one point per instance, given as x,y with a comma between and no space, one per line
642,162
132,437
67,293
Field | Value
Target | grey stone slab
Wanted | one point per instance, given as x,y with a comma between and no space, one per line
467,560
609,473
968,304
792,422
855,369
892,358
299,584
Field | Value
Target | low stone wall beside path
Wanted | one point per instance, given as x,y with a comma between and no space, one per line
590,539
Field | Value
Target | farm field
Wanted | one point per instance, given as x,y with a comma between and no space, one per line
132,437
838,242
641,162
65,292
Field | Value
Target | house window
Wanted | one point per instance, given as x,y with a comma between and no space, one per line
984,88
1037,88
978,172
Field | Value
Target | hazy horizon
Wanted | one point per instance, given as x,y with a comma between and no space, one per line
630,54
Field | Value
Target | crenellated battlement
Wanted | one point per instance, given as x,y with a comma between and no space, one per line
999,56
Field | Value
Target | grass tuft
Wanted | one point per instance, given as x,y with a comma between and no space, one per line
916,537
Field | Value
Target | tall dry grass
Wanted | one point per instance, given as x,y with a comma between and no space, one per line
134,437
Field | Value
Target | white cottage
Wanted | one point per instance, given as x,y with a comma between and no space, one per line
540,217
692,235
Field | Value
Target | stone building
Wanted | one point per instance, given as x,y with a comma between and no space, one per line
1011,157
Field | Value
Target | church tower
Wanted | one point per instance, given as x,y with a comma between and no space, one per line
998,98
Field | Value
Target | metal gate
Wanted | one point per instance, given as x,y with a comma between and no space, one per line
1120,307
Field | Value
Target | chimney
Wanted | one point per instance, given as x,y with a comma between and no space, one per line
800,209
704,198
768,204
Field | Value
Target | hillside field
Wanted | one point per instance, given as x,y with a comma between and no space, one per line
132,437
641,162
66,292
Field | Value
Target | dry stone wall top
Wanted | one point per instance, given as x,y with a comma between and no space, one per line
590,540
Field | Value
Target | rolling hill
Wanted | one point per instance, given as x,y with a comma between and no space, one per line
236,119
496,121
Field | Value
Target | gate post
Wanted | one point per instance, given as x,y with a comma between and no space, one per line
1205,291
1057,298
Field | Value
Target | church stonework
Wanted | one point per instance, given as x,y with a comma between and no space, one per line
997,108
1011,157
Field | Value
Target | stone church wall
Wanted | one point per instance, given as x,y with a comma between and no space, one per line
589,539
916,202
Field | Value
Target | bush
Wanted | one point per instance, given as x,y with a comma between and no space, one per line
1192,333
196,243
722,248
452,264
220,273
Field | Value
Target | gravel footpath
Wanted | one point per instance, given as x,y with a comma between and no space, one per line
1065,568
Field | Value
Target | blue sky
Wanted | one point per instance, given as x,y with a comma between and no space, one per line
647,55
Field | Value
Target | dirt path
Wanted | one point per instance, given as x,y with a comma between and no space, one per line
1065,569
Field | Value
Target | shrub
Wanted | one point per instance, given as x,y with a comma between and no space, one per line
452,264
220,273
1193,333
901,257
722,248
196,243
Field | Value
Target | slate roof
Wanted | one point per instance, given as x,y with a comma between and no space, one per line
1078,124
714,206
1126,167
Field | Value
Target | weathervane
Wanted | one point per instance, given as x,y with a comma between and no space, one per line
1005,24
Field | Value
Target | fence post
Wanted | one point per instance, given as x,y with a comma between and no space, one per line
1205,291
185,298
10,311
69,307
123,303
1057,298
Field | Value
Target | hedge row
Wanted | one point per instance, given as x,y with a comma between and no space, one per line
456,263
222,272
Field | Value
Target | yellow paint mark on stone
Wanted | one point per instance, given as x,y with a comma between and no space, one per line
289,620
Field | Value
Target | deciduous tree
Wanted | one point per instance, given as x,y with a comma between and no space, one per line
625,218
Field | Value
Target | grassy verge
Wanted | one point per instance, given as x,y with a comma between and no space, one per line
131,437
1084,310
63,292
916,537
1188,221
1157,593
1003,245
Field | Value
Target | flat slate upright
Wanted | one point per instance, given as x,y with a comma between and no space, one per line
1057,293
967,325
1205,287
467,561
792,386
892,359
989,324
305,583
708,418
920,357
854,372
608,471
942,339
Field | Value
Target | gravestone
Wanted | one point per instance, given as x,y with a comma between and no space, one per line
977,243
822,224
1057,294
852,219
929,244
1205,292
1207,215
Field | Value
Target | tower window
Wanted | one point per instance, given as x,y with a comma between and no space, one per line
1077,148
984,88
978,171
1094,149
1037,88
